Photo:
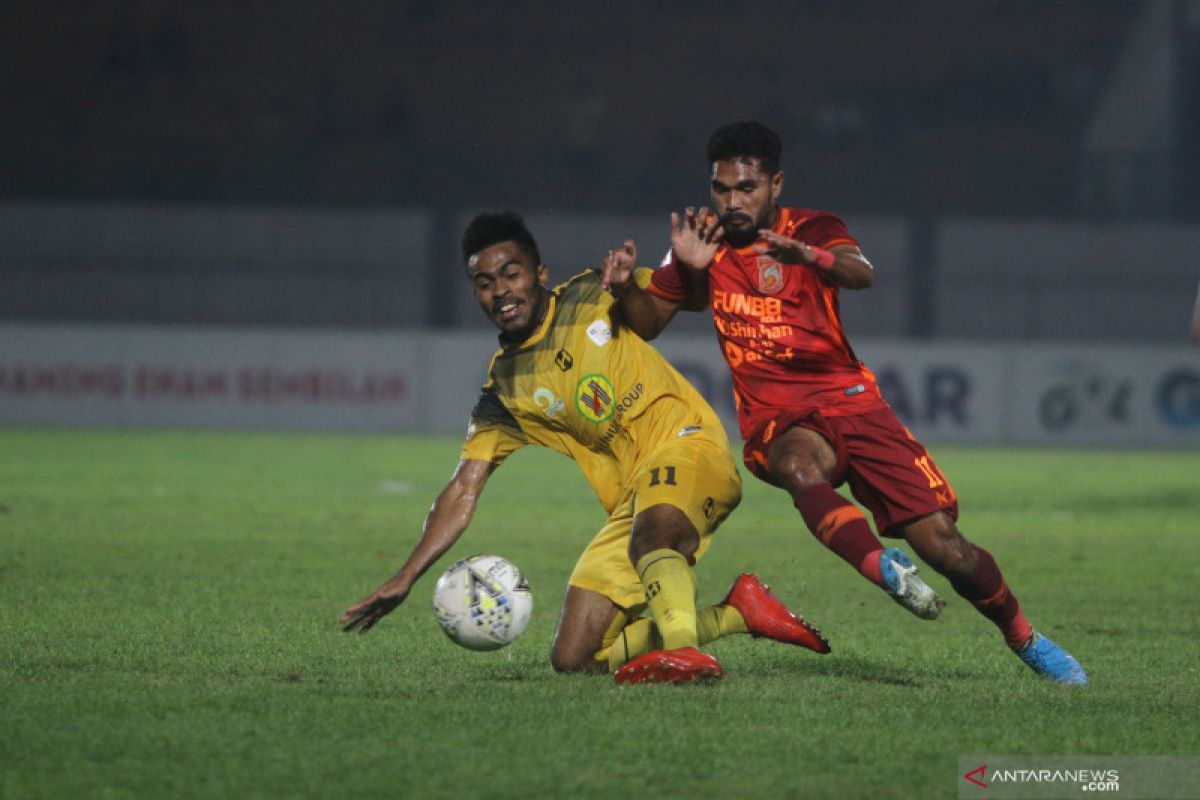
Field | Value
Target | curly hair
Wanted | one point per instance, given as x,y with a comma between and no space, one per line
493,227
743,140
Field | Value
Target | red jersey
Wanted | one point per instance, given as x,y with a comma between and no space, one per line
779,326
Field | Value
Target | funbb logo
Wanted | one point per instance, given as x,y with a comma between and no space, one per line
746,305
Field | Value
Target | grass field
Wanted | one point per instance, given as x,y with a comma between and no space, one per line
168,607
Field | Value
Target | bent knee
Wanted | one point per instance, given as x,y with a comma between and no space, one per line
800,458
662,527
563,661
795,474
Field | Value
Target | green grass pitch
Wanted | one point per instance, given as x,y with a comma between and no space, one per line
168,607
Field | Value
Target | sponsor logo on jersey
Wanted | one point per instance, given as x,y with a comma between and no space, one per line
547,402
563,360
770,275
595,397
599,332
627,402
746,305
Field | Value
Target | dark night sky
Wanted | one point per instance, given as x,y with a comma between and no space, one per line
885,106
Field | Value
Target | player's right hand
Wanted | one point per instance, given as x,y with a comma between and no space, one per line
617,268
696,237
784,249
363,615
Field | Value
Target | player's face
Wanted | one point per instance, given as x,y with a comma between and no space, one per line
745,197
510,289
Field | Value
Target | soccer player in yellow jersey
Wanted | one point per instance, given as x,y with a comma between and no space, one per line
569,376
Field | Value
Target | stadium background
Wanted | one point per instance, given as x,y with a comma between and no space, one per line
265,198
244,215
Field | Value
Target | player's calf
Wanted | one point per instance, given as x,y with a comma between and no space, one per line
587,624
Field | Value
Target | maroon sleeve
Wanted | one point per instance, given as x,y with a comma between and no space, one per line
667,281
822,229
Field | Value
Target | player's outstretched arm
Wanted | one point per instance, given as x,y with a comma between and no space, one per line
643,312
695,239
447,519
842,265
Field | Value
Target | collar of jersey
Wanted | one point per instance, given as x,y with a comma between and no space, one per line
780,226
537,335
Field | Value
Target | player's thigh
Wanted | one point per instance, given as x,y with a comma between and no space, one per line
699,479
585,627
793,449
690,480
892,473
604,567
800,457
662,526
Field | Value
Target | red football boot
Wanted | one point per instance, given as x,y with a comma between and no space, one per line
669,666
766,616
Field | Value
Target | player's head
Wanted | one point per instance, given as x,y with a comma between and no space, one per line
746,178
510,280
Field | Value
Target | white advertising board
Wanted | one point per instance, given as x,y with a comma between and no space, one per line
204,378
1109,396
427,382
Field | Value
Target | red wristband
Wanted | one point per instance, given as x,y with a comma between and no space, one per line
822,259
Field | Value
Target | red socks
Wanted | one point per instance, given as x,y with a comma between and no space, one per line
842,528
988,592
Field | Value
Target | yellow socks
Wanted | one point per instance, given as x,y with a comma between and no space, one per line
671,595
716,621
627,642
635,639
641,636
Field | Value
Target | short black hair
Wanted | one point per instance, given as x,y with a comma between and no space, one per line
746,139
493,227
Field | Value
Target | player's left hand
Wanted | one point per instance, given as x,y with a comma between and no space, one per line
696,237
363,615
617,268
783,249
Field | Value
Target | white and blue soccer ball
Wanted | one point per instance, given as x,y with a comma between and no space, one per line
483,602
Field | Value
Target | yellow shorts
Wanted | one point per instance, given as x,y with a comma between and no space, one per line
696,475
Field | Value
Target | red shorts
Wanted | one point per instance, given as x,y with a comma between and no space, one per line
888,470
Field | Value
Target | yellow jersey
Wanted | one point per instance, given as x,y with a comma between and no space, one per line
587,387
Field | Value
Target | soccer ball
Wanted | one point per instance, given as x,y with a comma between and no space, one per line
482,602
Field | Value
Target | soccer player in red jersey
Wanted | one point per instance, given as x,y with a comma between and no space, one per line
811,414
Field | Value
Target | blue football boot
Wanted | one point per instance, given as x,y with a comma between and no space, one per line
900,577
1050,661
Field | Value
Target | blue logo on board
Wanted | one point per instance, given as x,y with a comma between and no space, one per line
1178,398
